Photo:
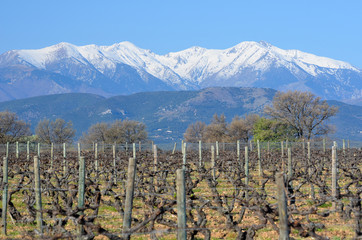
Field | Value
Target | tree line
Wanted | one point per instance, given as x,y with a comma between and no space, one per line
292,115
58,131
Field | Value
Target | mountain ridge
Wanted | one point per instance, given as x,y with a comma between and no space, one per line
124,68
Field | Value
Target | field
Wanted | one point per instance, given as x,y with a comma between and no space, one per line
224,198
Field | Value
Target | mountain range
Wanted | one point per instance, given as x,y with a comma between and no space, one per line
167,114
124,68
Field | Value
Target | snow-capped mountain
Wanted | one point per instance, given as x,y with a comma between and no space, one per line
124,68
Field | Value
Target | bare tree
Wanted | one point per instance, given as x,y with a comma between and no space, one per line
217,129
57,131
96,133
303,111
195,132
133,131
117,132
242,128
11,128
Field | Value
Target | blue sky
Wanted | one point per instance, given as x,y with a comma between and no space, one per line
326,28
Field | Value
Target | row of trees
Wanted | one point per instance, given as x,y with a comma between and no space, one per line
292,115
12,129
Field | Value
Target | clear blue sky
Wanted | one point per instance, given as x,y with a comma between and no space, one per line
328,28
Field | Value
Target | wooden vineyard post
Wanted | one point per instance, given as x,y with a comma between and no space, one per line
39,150
181,204
81,191
5,195
200,153
282,148
251,145
96,157
65,163
282,207
7,149
213,161
268,147
217,150
28,150
38,202
114,163
155,159
17,150
259,159
290,167
238,150
309,153
79,150
51,156
303,147
324,150
290,175
174,148
140,146
134,150
127,218
312,194
183,155
246,169
334,176
344,147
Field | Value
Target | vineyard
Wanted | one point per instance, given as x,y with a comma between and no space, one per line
231,191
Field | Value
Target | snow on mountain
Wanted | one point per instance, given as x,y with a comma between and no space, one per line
40,58
257,64
194,64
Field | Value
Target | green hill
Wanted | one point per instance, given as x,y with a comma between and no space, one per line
166,114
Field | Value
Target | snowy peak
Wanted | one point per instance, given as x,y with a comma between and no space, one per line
132,69
41,57
184,63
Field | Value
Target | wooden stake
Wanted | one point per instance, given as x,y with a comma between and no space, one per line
238,150
38,201
181,204
5,195
282,207
200,153
259,159
334,176
81,191
17,150
51,156
213,161
127,219
27,150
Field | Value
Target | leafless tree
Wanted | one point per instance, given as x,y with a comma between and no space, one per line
117,132
217,129
242,128
195,132
305,112
126,131
96,133
11,128
57,131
